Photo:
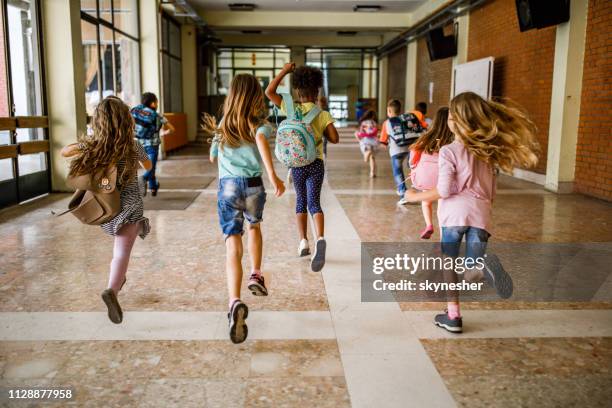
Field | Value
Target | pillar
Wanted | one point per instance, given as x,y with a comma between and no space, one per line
190,80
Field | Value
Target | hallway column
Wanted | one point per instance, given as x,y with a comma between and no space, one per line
150,75
189,66
411,78
565,100
65,81
383,67
463,26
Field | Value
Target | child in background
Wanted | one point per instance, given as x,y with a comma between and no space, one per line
367,135
424,163
487,135
112,143
420,110
149,127
308,180
240,146
392,130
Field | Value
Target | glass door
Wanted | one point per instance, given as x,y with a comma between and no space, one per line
24,141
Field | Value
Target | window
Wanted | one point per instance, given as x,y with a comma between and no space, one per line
172,74
109,30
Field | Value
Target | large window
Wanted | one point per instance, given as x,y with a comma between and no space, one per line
109,30
172,67
350,78
24,145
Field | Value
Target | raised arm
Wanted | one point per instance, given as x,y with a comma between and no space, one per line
271,89
266,157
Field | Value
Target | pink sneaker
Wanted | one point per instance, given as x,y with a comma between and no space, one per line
427,232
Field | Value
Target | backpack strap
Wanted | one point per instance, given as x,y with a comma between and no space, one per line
310,116
289,108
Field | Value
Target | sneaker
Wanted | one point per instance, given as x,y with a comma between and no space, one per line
399,193
303,249
452,325
257,286
497,277
427,232
115,314
154,190
318,259
237,315
402,201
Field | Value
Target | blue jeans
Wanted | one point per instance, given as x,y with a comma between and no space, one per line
239,198
149,176
397,164
475,240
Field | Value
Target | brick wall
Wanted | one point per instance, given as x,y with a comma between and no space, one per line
396,75
523,61
439,72
594,149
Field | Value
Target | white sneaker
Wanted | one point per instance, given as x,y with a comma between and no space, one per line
303,249
402,201
399,194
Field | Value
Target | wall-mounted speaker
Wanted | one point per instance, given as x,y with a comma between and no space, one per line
540,14
440,46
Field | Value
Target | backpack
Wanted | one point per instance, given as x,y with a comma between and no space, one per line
295,140
94,203
146,122
405,129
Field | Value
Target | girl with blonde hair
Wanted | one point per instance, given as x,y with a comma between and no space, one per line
112,143
488,135
240,146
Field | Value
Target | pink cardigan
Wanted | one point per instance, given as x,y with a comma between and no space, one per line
466,186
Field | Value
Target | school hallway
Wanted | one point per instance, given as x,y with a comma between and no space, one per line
311,339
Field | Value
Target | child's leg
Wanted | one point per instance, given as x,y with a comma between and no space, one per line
152,152
314,182
301,201
372,165
426,207
233,266
451,244
124,241
397,164
255,247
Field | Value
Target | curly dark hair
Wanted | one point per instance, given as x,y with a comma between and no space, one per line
307,81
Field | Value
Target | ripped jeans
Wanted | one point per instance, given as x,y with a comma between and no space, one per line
239,198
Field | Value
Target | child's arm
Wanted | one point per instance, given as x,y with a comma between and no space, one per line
331,134
384,135
412,196
271,89
266,157
70,150
167,129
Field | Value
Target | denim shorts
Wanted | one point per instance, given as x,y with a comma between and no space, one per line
239,198
475,241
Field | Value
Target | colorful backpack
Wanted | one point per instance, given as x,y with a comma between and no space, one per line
295,140
146,122
405,129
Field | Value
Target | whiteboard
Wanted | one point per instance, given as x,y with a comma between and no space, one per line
475,76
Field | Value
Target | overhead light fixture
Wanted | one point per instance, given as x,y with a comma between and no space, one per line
241,6
347,33
366,8
251,31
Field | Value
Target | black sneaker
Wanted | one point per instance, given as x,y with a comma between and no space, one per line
452,325
497,277
115,314
318,259
237,324
154,190
257,285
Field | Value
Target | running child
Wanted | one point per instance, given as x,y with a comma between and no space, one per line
241,147
424,163
308,180
111,142
488,135
367,135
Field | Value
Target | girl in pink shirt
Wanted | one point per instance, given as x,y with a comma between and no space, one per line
488,135
424,163
367,135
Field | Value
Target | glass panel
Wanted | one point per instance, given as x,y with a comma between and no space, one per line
166,83
26,135
106,54
253,59
164,31
343,60
176,76
225,59
125,14
225,78
25,63
5,137
174,38
282,57
89,7
90,63
313,56
4,108
6,169
32,163
128,69
105,10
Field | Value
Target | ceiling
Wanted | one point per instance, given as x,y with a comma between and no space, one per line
388,6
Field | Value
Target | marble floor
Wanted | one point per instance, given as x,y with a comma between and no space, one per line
312,341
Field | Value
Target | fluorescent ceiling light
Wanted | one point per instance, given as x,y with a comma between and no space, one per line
241,6
366,8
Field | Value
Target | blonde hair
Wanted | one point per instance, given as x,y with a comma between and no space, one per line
244,111
499,134
112,140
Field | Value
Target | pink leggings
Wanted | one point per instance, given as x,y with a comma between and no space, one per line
124,241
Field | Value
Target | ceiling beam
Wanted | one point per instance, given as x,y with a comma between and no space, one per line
311,40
